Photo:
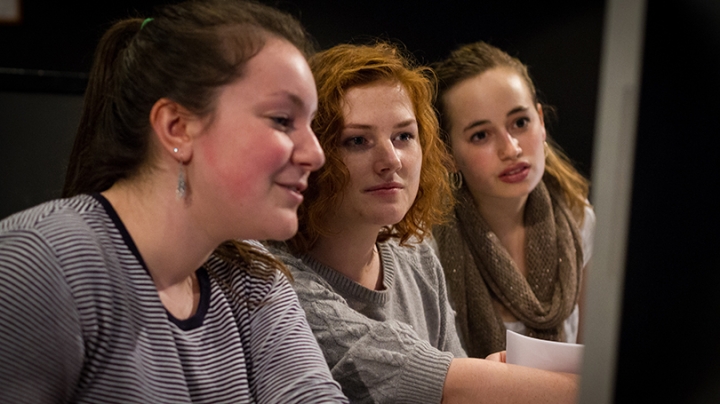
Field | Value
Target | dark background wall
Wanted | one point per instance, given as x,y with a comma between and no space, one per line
559,40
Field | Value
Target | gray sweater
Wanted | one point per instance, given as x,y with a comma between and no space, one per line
388,346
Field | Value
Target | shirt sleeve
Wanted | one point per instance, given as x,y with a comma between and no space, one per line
41,347
374,361
289,365
587,233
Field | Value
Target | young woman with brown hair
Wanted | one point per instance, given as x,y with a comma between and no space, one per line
520,238
195,131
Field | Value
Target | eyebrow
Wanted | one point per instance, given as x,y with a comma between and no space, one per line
399,125
484,121
294,98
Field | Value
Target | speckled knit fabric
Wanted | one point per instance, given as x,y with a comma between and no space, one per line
479,269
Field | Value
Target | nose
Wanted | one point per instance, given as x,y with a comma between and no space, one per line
509,147
387,159
307,152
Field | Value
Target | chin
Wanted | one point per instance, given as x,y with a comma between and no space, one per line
284,228
279,226
390,219
282,233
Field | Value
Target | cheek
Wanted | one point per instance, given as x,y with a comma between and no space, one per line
218,157
413,161
262,160
533,146
357,166
244,161
475,163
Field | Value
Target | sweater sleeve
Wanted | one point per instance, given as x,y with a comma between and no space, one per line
41,347
374,361
289,365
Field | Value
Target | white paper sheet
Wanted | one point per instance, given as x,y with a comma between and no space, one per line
542,354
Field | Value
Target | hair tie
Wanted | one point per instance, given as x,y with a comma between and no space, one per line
147,20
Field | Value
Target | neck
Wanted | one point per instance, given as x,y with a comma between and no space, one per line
505,217
162,228
353,254
501,214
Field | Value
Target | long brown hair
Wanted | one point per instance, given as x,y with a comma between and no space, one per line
476,58
336,71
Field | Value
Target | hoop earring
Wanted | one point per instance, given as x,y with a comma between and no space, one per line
181,190
456,180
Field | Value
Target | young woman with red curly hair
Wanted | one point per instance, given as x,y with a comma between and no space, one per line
373,291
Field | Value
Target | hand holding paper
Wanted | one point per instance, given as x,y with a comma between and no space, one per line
542,354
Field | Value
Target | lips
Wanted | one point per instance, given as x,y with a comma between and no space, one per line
386,186
515,173
294,192
295,187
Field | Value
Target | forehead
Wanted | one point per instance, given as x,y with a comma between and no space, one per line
487,86
376,100
278,68
489,95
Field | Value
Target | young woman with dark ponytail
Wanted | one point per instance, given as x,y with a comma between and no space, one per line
195,131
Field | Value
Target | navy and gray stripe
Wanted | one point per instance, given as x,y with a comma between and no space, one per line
81,321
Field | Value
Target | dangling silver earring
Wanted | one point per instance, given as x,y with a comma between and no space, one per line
456,180
181,190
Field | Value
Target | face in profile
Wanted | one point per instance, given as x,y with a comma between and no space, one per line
380,147
497,134
253,158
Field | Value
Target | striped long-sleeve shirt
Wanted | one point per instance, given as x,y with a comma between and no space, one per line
81,321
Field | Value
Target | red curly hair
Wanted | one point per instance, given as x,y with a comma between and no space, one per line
336,71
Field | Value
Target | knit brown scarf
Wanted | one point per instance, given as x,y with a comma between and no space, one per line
479,269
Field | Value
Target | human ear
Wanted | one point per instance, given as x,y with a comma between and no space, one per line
175,128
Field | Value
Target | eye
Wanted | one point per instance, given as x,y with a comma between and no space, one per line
405,137
478,136
354,141
522,122
284,123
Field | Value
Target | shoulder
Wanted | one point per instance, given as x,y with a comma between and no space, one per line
300,267
417,257
293,262
418,253
253,286
67,214
588,223
312,281
587,232
62,231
